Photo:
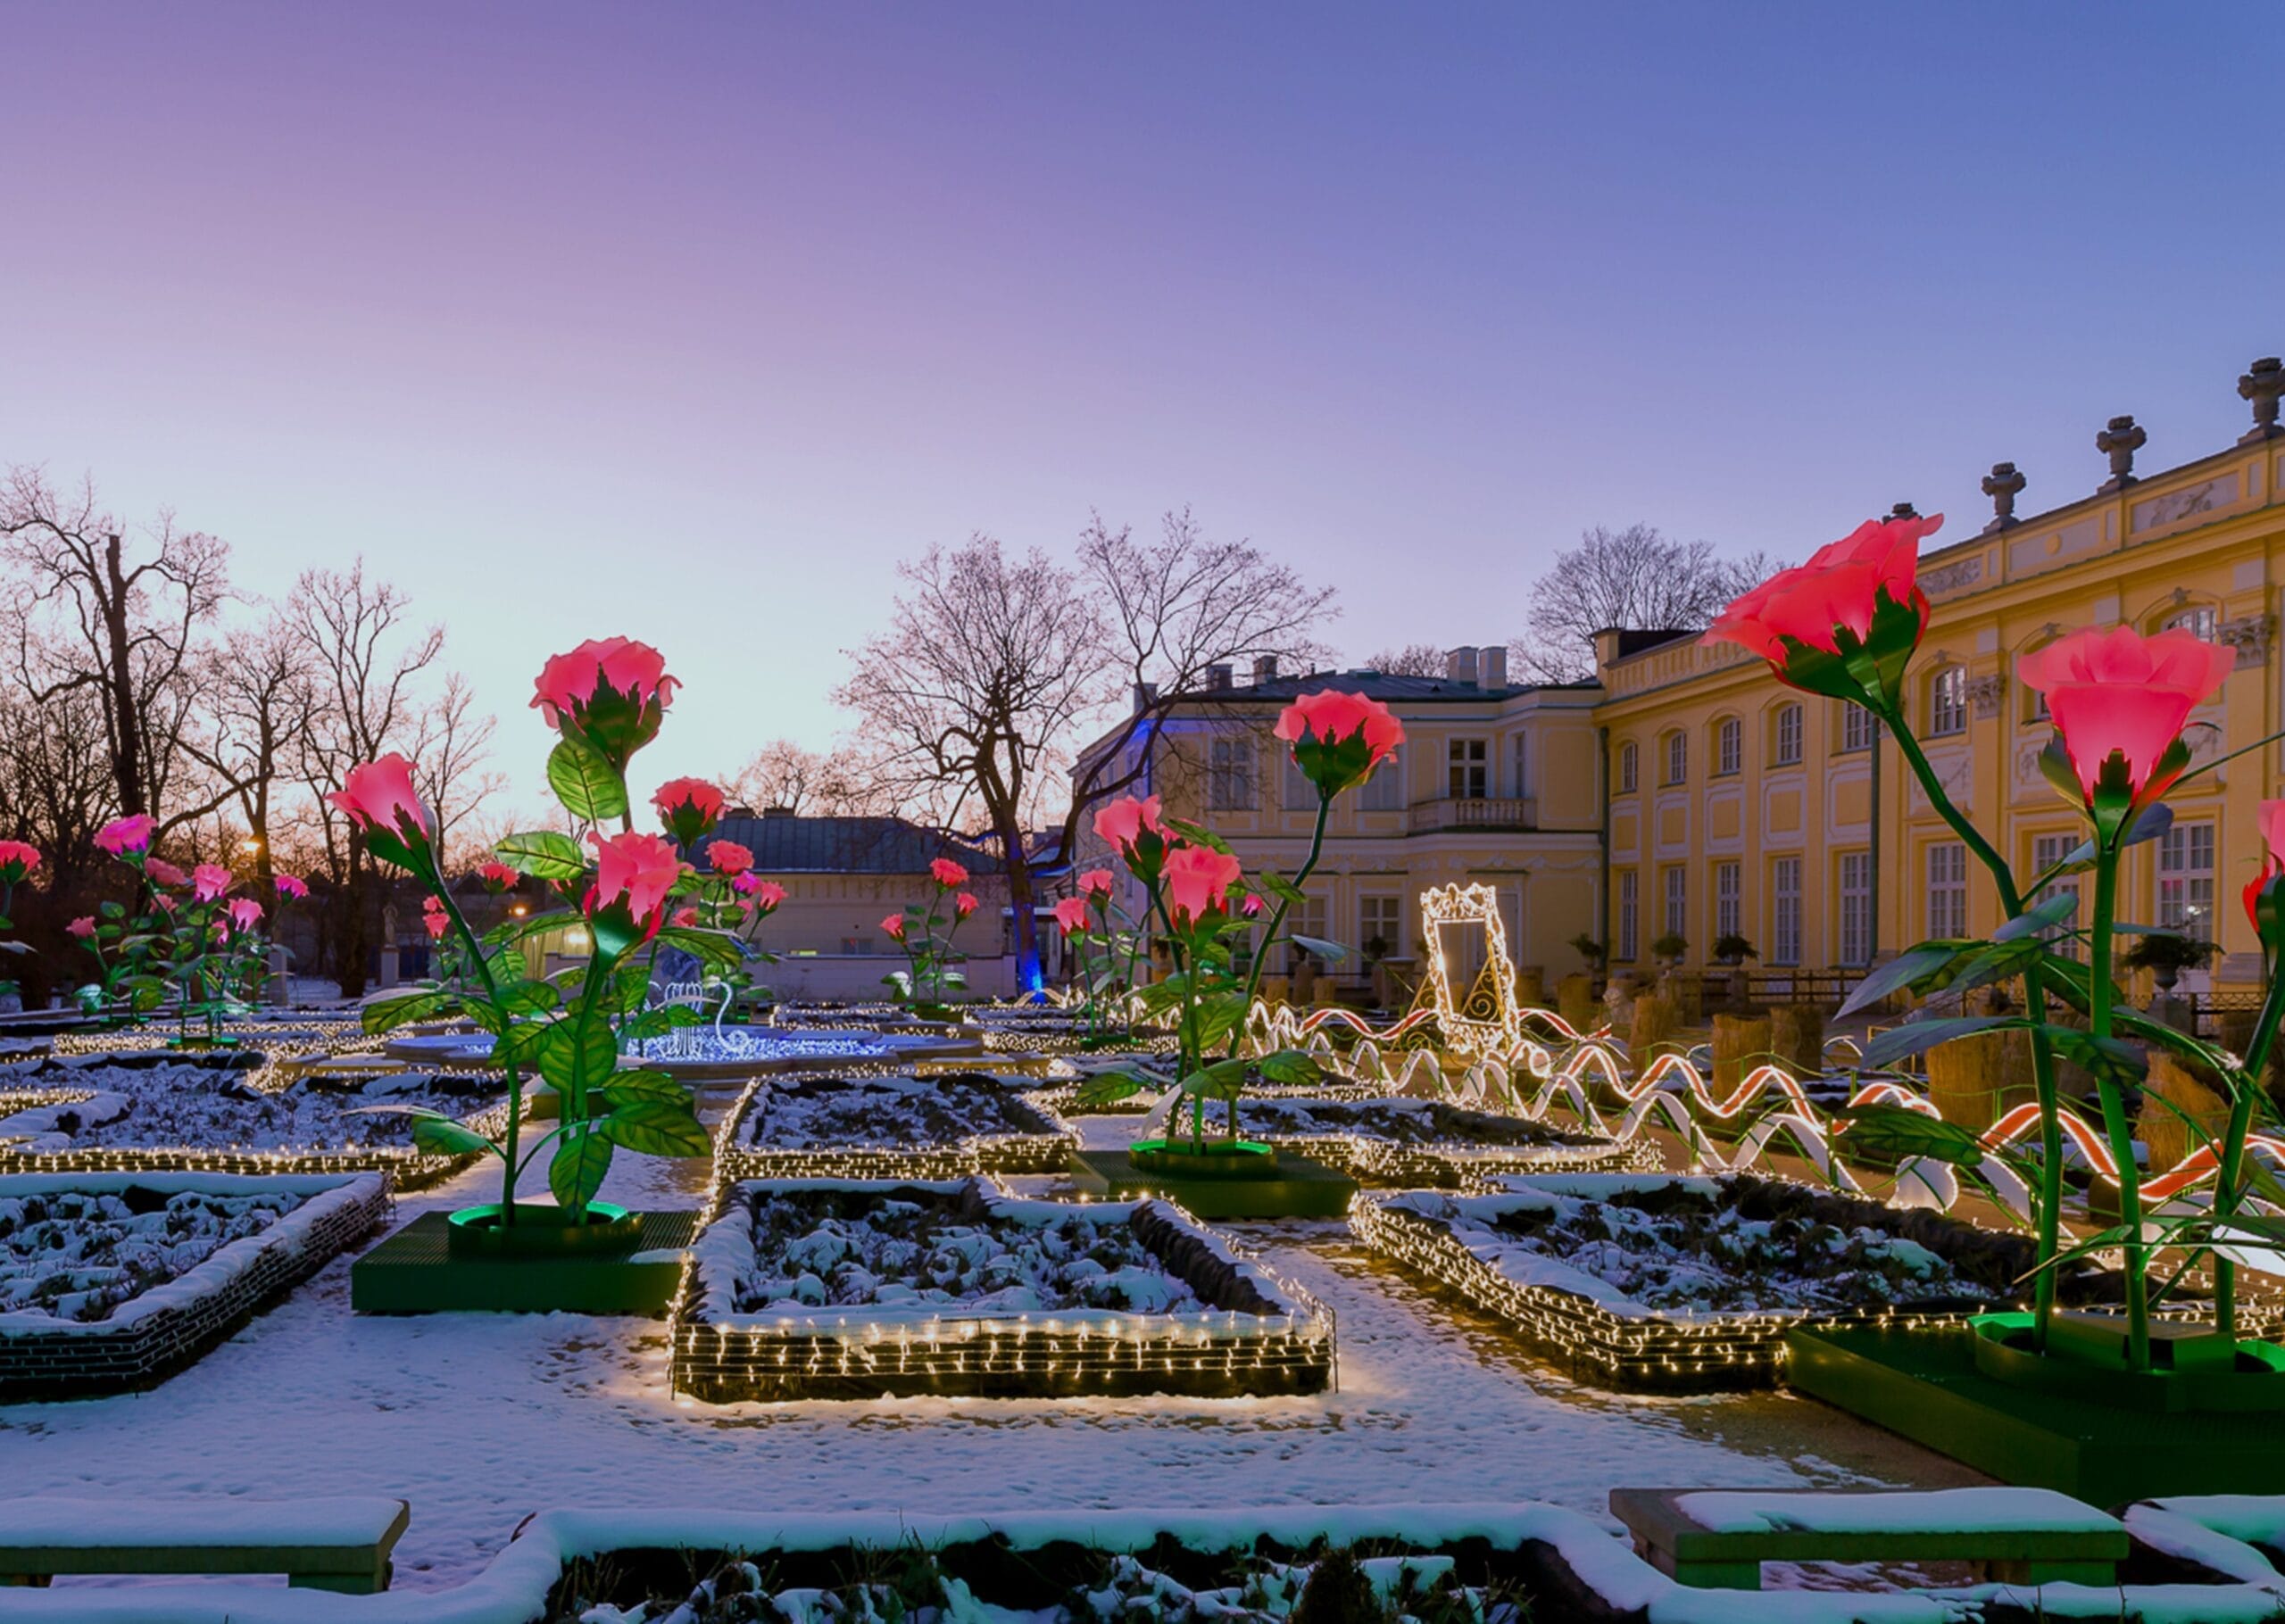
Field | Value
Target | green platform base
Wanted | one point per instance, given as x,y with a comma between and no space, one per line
1302,1188
1924,1385
413,1272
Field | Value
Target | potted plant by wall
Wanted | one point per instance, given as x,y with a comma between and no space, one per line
1204,905
1733,949
1669,949
1593,952
1846,626
2165,955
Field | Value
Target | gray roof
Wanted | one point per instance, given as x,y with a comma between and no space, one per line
1383,685
786,844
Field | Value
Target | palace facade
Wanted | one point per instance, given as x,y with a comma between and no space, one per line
1686,792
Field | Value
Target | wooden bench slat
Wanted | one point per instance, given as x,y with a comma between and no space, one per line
332,1545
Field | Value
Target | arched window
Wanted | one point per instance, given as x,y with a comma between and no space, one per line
2202,621
1677,757
1630,769
1785,737
1948,701
1729,746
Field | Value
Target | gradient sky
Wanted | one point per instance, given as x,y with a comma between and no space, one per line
688,321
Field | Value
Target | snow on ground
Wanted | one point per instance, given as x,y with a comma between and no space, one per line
480,1419
177,1103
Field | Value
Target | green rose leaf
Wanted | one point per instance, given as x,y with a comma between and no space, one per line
442,1136
544,854
1918,1036
574,1172
654,1126
584,781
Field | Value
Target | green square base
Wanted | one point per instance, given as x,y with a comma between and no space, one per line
1923,1383
1303,1188
415,1271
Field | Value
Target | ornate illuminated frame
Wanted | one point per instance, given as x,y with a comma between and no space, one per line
1486,1018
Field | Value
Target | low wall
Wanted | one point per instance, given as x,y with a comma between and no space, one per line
852,977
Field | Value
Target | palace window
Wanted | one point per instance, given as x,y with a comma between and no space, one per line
1785,911
2186,880
1381,919
1858,727
1855,908
1946,864
1229,776
2202,621
2046,851
1948,701
1629,948
1383,792
1298,794
1729,746
1469,769
1677,901
1728,886
1677,757
1629,767
1787,751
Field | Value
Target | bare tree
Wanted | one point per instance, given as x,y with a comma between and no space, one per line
118,622
451,743
976,692
1633,579
1413,660
263,696
363,664
839,783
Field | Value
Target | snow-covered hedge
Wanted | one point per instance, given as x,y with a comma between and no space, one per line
844,1288
897,1126
208,1251
153,1112
1686,1283
1394,1140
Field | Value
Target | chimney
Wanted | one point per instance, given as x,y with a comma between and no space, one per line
768,812
1491,666
1460,666
1217,679
1146,694
1265,669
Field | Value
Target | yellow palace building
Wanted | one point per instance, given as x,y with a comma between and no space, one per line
1689,793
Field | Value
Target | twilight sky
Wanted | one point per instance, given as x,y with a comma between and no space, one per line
688,321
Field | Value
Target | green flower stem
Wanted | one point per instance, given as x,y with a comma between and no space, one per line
2044,1084
509,1166
1277,919
2101,993
2226,1190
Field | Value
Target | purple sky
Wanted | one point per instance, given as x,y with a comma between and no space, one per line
687,322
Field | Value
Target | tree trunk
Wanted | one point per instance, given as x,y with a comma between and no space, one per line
1023,926
127,729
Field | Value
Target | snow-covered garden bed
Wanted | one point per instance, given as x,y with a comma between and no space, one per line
112,1281
1688,1282
116,1114
843,1289
897,1126
1392,1140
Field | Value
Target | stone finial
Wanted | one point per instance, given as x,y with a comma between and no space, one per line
2120,439
2262,384
2003,485
1904,510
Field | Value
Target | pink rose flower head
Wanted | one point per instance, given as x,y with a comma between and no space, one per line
2271,821
163,873
382,805
612,690
728,857
1097,882
438,924
1071,915
686,917
245,914
83,927
765,894
634,871
965,904
1858,593
16,860
948,873
1253,906
122,835
498,878
292,887
1197,879
894,926
2118,693
689,808
1132,826
209,881
165,900
1338,738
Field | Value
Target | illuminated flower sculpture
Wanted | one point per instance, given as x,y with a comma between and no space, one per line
1203,908
922,931
1846,623
195,942
635,899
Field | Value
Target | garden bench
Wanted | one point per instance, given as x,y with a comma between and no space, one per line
1718,1538
321,1544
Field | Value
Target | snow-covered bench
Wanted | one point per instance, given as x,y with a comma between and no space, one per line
321,1545
1718,1538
